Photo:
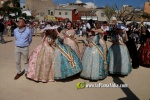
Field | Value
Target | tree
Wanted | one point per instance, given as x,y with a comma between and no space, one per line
109,11
15,3
128,15
30,17
121,15
6,9
24,15
145,15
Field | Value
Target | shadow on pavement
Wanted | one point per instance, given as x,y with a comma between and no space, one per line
69,79
6,41
145,66
130,95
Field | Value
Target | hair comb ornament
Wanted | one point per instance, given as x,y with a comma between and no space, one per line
51,27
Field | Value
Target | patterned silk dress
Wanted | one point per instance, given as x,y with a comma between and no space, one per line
93,60
66,61
144,51
72,43
41,63
118,58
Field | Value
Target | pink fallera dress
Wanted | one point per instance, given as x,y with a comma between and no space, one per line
72,43
41,65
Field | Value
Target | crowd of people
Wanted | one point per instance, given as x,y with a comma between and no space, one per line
59,57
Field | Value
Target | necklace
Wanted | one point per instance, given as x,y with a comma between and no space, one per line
21,31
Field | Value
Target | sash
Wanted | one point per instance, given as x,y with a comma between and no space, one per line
101,53
67,55
76,43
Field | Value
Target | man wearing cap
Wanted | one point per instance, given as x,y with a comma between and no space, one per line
23,38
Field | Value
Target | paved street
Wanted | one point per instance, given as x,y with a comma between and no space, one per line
23,89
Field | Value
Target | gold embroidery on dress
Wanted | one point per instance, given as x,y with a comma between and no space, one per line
68,56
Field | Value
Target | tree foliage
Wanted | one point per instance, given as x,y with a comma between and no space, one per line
145,16
10,6
128,15
109,11
121,15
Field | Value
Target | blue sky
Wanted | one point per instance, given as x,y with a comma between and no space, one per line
100,3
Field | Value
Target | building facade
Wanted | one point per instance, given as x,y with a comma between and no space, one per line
40,7
147,7
127,8
100,14
63,13
75,12
72,11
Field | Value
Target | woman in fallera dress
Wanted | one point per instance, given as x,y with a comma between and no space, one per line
132,47
144,50
118,58
41,60
93,60
69,39
102,42
66,61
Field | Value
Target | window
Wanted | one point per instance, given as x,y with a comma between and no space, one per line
52,13
102,14
48,12
59,13
66,13
41,13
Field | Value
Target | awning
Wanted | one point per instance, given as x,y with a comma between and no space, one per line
94,17
89,17
50,18
83,17
60,18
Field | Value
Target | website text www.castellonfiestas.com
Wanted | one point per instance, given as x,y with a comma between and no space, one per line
83,85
